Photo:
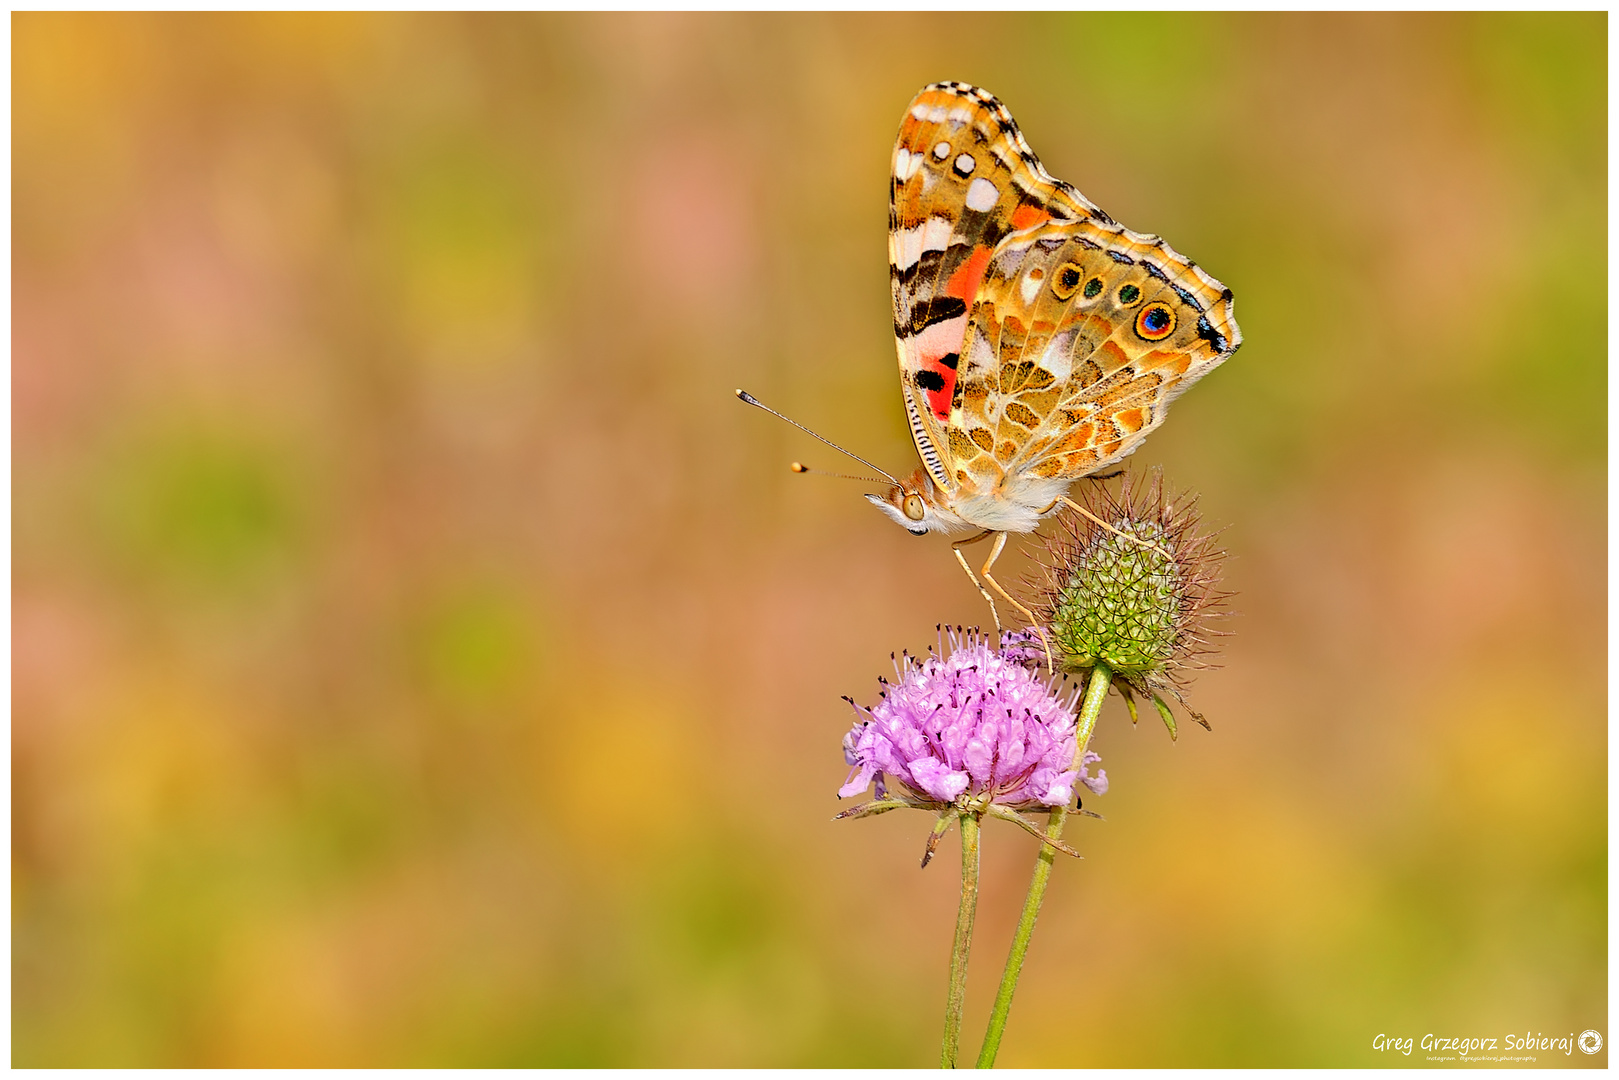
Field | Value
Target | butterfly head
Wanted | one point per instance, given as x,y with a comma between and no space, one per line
916,502
915,505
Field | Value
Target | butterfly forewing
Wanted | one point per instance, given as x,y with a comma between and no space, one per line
960,185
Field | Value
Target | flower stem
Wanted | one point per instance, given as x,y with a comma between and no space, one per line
963,943
1095,694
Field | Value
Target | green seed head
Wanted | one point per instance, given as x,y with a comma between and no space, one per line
1135,595
1120,603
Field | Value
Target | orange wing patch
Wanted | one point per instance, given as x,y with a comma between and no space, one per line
1028,215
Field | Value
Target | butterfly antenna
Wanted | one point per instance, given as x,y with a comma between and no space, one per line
800,467
751,400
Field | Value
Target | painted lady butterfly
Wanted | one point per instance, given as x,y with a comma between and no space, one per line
1039,340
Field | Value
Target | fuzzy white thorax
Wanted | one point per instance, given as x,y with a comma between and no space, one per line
1017,507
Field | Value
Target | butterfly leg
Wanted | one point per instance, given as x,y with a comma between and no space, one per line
1133,539
962,559
1034,623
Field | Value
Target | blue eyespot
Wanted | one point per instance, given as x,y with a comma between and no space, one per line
1155,322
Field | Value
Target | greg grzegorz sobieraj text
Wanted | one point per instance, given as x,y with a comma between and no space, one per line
1467,1045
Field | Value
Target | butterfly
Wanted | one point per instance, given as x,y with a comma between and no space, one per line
1039,340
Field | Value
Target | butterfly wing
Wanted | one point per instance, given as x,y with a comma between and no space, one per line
1080,337
1039,340
963,179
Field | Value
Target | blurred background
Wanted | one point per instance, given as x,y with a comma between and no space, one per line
420,658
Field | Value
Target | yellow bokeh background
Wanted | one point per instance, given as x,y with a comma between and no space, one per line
420,658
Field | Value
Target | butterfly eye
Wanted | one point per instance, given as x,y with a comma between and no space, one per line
1093,288
1065,281
1156,322
1128,294
914,508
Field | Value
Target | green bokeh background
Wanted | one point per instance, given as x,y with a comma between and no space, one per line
420,659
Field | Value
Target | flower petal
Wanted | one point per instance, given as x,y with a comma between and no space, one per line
938,779
858,779
969,721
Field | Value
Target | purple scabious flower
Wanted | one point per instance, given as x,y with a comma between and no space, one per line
969,727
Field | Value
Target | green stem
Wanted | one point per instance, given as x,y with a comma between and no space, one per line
963,943
1095,694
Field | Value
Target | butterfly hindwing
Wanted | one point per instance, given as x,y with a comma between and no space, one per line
1079,338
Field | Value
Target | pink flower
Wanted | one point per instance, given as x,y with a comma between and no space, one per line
969,726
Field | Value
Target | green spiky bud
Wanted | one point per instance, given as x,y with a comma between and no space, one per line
1134,594
1119,603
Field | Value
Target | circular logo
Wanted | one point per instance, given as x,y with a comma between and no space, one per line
1590,1041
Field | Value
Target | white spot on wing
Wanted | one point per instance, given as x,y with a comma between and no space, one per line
981,195
942,151
907,245
1058,357
965,164
1031,286
936,234
906,164
905,248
